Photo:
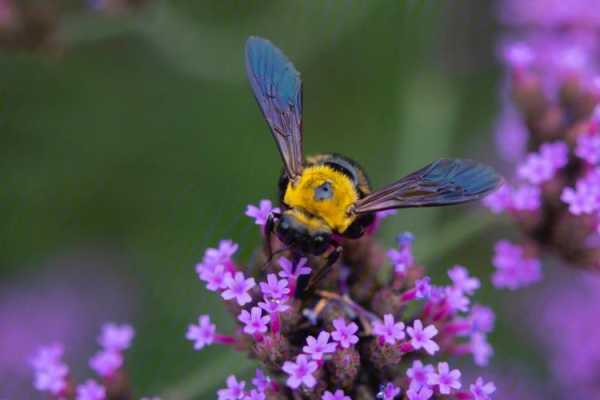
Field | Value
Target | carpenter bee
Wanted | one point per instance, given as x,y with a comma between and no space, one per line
327,197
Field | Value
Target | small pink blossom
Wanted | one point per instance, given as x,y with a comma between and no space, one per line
273,306
213,276
588,148
106,363
482,319
481,349
513,270
91,390
233,391
456,299
584,199
401,259
344,333
481,390
47,356
500,200
421,338
389,391
300,372
255,395
262,212
338,395
52,377
291,271
462,281
445,379
526,198
275,288
317,348
388,331
423,394
222,254
238,287
261,381
423,288
116,337
254,321
418,374
202,334
518,55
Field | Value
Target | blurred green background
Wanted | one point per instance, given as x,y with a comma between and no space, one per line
140,139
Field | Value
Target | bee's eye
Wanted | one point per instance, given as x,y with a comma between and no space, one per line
324,191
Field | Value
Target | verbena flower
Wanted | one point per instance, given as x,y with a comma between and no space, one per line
52,375
552,103
352,335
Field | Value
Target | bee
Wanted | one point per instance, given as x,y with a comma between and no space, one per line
328,197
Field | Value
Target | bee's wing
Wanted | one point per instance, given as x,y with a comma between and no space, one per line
278,91
443,182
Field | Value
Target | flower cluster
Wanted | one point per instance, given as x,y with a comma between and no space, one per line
549,130
52,375
354,334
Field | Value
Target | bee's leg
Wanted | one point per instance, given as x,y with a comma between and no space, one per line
324,270
269,228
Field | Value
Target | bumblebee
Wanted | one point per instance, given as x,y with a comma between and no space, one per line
328,197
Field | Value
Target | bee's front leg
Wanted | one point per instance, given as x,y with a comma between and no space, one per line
324,270
269,229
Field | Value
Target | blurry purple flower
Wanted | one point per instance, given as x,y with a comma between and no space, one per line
338,395
291,271
526,198
300,372
418,374
423,288
213,276
462,281
389,391
234,389
274,288
482,319
222,254
255,395
541,167
273,307
90,390
344,333
421,338
585,199
116,337
456,299
237,288
588,148
106,363
500,200
445,379
262,212
481,349
422,394
47,356
317,348
260,380
388,331
481,390
401,259
513,270
518,55
253,321
202,334
50,373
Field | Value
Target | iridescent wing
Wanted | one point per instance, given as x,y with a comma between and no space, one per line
443,182
278,91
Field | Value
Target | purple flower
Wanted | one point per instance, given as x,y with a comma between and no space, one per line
338,395
300,372
116,337
222,254
202,334
421,338
254,321
482,319
481,390
106,363
518,55
291,271
481,349
542,166
50,372
584,199
513,270
262,212
213,276
275,288
456,299
500,200
255,395
462,281
388,331
588,148
261,381
90,390
389,391
344,333
445,379
526,198
234,389
237,288
423,288
418,374
403,258
272,307
317,348
423,394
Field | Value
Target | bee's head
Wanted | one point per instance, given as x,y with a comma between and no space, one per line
306,233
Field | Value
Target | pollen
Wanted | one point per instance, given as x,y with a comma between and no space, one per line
306,194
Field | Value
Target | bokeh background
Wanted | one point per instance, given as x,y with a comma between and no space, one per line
130,141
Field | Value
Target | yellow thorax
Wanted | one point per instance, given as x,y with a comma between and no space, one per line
332,210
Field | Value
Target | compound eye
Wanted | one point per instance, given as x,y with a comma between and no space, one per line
324,191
